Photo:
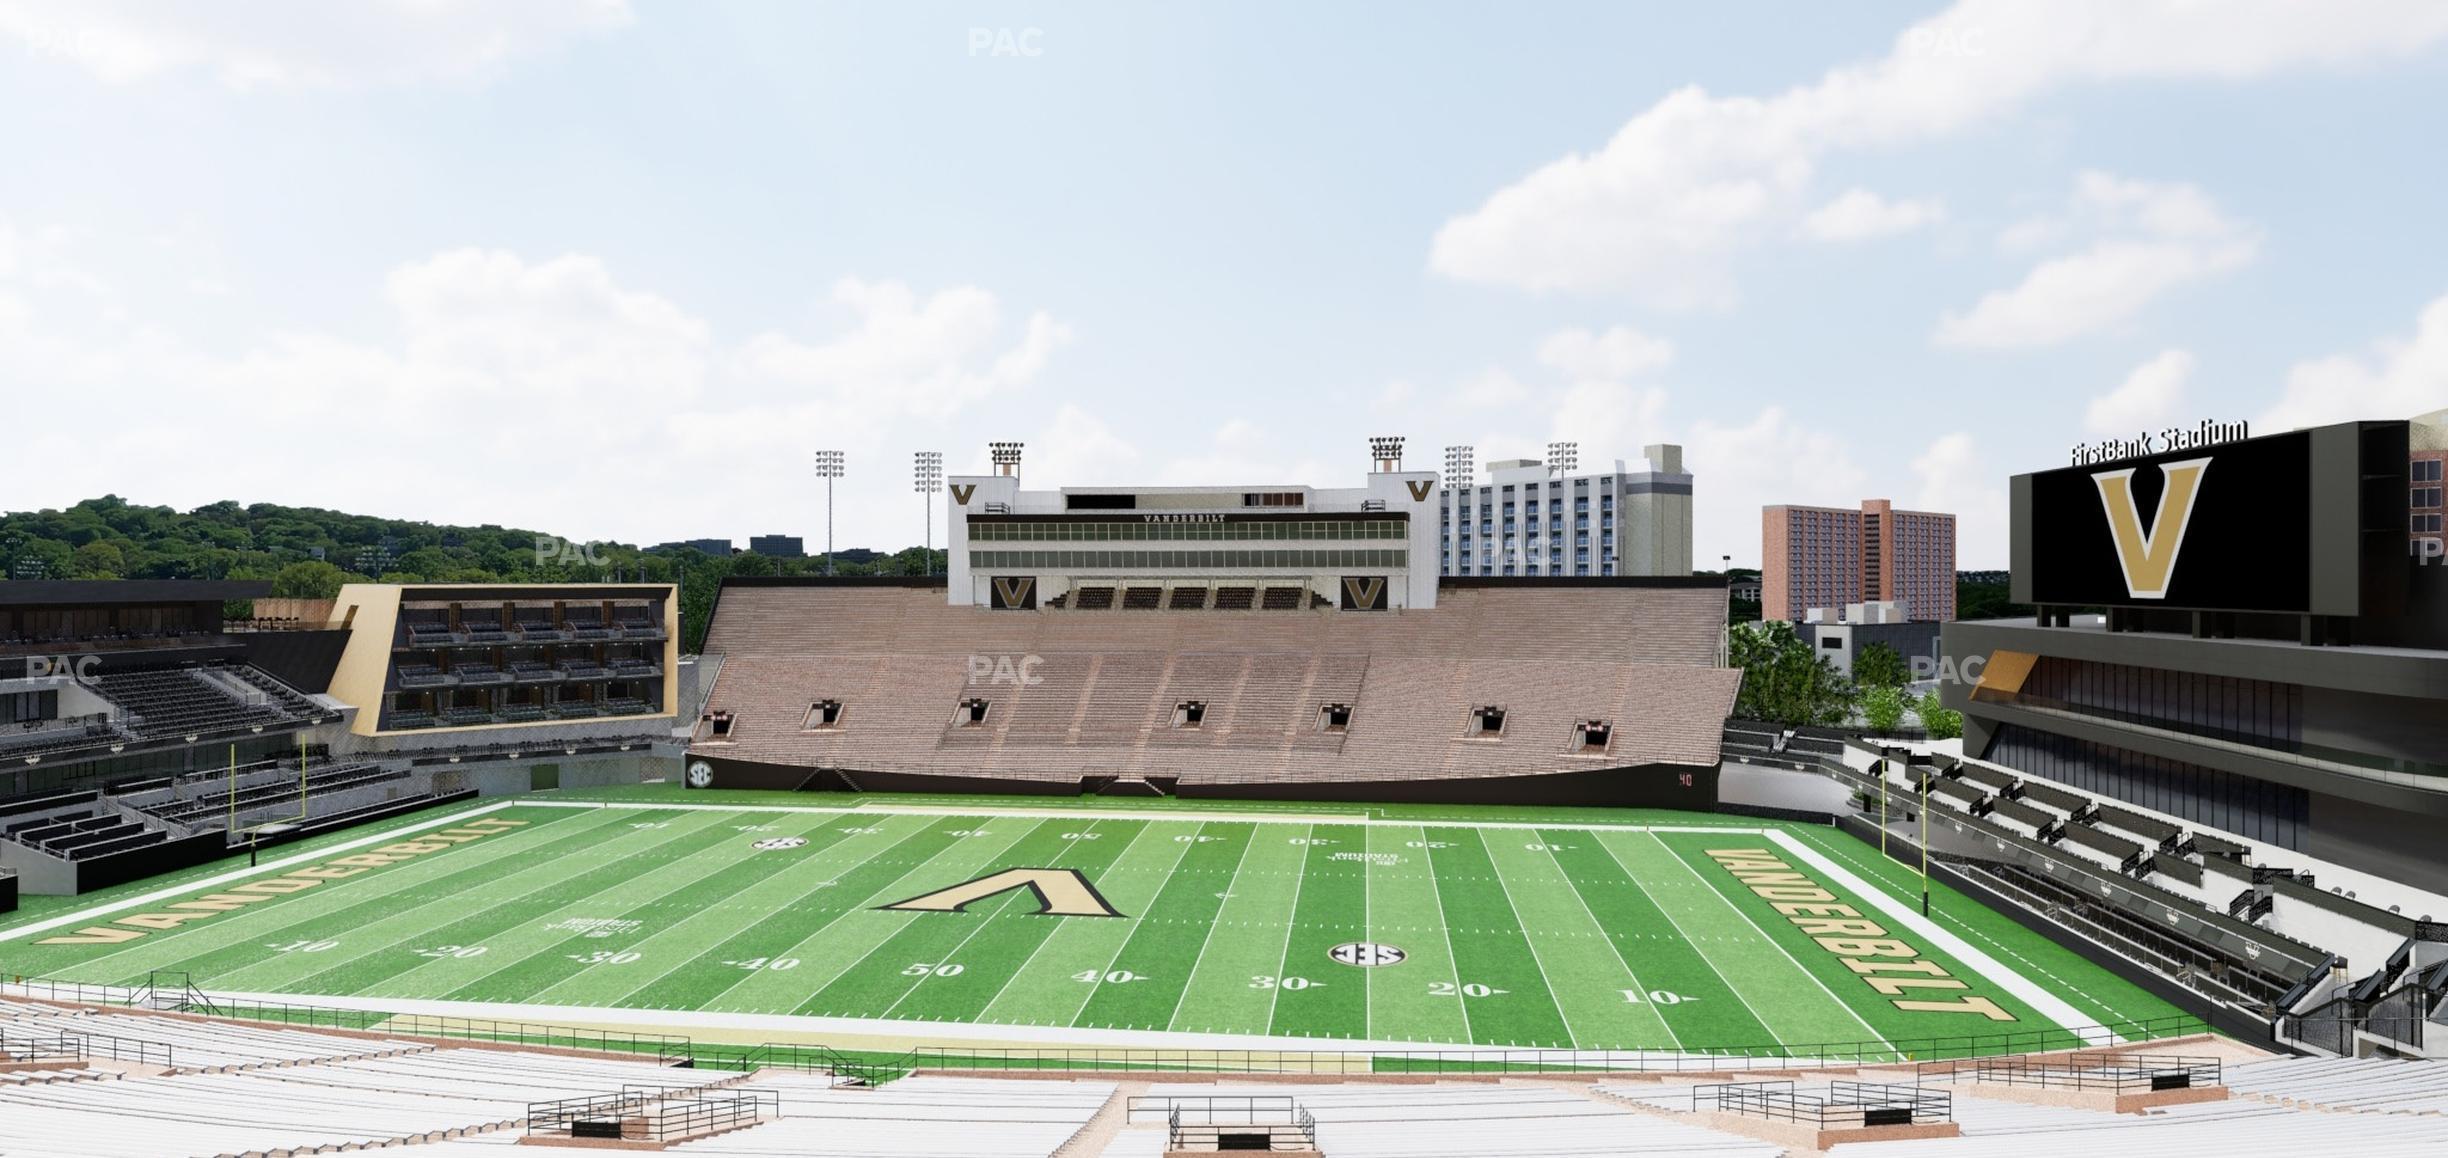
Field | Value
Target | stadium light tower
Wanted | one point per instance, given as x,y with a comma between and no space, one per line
1006,456
1461,469
1563,458
828,468
929,481
1386,451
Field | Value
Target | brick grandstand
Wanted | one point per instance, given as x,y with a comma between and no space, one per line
884,686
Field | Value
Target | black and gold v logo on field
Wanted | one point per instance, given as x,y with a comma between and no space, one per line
1060,893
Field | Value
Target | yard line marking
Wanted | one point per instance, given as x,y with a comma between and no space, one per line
800,948
823,856
2047,1004
953,954
1445,930
403,925
1687,938
1124,943
906,917
1782,951
1571,1037
1200,959
1050,938
1291,918
388,835
193,943
1569,886
690,947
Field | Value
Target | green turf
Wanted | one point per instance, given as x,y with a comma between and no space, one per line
1553,935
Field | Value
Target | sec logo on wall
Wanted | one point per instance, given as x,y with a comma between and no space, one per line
701,775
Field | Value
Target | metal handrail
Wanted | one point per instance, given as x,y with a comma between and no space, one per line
1847,1103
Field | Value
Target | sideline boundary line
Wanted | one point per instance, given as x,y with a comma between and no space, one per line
2042,1001
387,836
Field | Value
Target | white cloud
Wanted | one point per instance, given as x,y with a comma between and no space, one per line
1608,419
1077,448
1773,459
930,357
1657,209
1620,352
1395,397
1955,478
2399,378
2152,239
1861,215
1490,389
544,393
246,44
2150,396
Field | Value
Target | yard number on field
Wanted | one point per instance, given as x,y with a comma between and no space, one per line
1115,977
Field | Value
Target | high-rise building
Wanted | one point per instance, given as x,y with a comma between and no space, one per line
1542,518
2427,507
1814,557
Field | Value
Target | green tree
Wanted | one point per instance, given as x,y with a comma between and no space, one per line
1940,721
312,579
1882,708
1880,665
1784,679
99,560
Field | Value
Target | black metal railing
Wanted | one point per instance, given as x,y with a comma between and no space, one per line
2116,1073
1845,1105
59,1048
652,1113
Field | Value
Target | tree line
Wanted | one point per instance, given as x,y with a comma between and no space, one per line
309,552
1786,681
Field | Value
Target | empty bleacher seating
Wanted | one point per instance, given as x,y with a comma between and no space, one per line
1112,683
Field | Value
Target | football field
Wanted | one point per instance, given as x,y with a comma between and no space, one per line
1061,924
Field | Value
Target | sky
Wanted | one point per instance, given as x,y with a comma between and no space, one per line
616,269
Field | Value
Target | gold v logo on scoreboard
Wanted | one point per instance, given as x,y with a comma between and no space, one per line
962,491
1419,488
1060,893
2149,560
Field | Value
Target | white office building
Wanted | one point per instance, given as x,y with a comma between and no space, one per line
1262,547
1543,518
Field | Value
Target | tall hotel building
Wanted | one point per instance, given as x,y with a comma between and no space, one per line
1542,518
1814,557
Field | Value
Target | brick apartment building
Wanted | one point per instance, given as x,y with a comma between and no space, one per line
1832,556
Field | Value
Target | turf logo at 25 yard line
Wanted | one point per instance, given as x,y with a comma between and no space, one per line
777,843
178,913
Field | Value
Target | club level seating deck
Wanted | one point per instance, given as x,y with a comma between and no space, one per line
171,702
1340,696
